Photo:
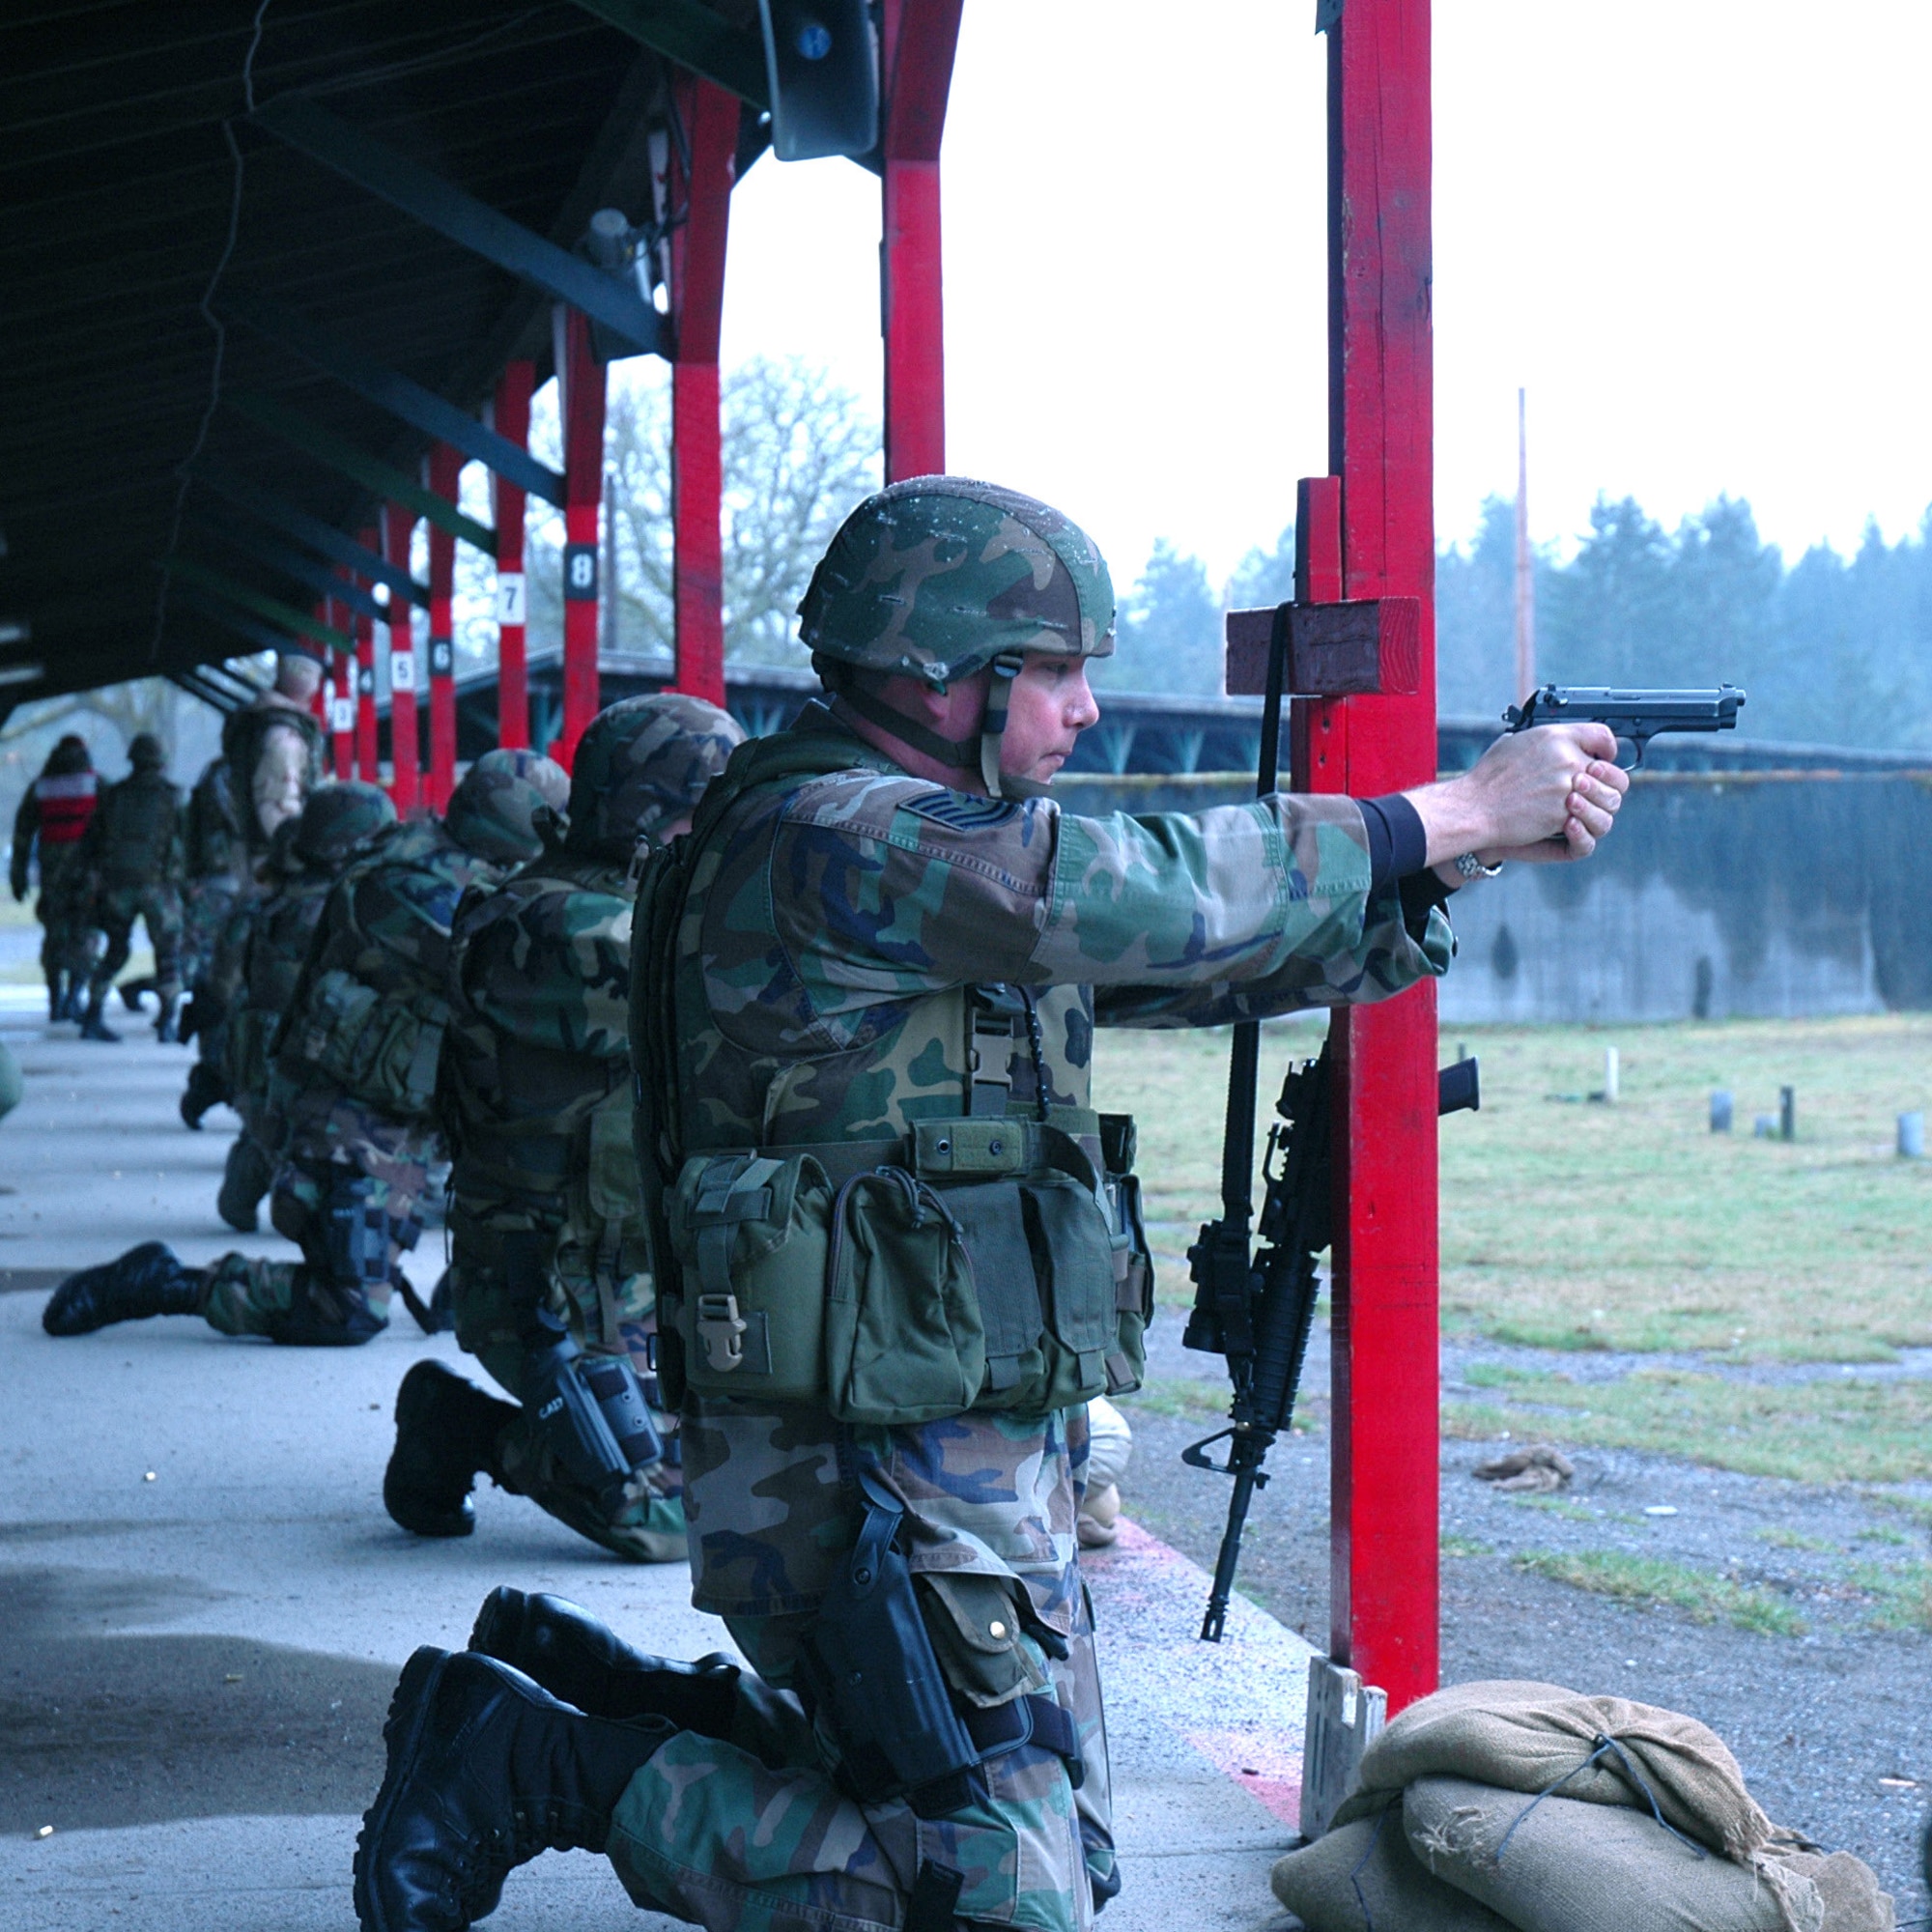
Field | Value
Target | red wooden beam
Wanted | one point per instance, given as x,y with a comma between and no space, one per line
511,416
920,42
582,379
1385,1440
710,117
445,470
365,680
340,718
405,748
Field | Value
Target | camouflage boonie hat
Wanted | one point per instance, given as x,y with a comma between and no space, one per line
493,812
340,820
145,753
937,576
641,765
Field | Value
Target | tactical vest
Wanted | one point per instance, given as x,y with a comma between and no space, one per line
136,825
365,1017
524,1118
279,932
972,1244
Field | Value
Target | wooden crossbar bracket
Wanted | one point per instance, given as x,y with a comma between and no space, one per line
1367,647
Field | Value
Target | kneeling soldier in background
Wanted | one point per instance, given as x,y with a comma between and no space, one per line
548,1275
353,1079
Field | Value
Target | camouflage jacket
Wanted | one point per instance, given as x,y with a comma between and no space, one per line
539,982
262,951
216,845
134,838
837,912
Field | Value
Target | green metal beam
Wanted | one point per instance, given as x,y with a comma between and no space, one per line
690,33
325,447
271,608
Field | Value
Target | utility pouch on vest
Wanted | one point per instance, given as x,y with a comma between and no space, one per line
248,1031
379,1050
905,1328
751,1235
610,1172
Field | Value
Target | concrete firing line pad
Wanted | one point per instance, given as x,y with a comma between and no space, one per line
200,1663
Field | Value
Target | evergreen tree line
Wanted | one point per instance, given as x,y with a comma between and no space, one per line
1832,649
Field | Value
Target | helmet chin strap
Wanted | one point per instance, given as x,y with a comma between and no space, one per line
981,753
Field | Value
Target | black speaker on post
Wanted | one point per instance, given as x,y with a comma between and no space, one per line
822,63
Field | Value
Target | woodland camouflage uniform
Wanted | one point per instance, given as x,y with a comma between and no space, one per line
260,962
535,1097
382,944
354,1077
864,1021
132,853
271,757
838,913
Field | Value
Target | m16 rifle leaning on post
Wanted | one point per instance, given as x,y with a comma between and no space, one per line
1257,1309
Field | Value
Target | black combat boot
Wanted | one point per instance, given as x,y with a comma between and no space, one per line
92,1025
56,996
166,1029
486,1770
576,1659
446,1431
248,1175
145,1281
207,1086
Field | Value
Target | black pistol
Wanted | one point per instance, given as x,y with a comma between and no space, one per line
1637,716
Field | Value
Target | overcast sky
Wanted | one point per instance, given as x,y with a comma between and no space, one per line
1695,229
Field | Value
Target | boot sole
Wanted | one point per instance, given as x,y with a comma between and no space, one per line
421,1675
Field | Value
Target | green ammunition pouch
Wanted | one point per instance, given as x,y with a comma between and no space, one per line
985,1262
378,1048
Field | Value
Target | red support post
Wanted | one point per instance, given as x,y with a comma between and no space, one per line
511,416
445,470
342,698
404,744
920,42
582,381
366,764
1386,1442
710,117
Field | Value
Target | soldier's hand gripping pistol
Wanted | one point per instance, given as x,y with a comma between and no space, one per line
1637,716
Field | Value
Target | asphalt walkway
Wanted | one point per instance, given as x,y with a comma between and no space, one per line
207,1606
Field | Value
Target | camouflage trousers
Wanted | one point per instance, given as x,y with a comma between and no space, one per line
322,1301
67,927
506,1253
116,908
756,1835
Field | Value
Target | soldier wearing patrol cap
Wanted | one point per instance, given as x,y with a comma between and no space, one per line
550,1279
898,1252
354,1064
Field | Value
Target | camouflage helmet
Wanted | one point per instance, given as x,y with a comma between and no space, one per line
494,812
641,765
939,577
145,753
340,820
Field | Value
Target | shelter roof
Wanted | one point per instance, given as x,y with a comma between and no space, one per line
145,201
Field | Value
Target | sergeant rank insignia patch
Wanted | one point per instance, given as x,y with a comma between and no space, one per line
960,810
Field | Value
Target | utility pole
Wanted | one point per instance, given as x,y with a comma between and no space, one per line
1526,569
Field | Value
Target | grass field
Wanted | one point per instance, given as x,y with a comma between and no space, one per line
1570,1224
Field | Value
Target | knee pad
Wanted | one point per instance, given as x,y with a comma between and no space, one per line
590,1410
355,1233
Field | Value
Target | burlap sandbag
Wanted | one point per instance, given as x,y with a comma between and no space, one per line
1848,1889
1527,1737
1320,1882
1577,1868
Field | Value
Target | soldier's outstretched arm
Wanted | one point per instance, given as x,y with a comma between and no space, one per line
884,888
